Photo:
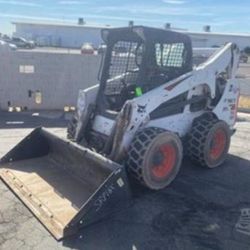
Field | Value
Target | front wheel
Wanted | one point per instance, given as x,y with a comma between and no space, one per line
154,157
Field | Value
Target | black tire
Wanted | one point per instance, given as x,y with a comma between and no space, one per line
154,157
209,141
71,129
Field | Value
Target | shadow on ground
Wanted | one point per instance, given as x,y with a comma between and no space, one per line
26,120
202,209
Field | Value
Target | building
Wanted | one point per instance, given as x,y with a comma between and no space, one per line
211,39
59,35
74,35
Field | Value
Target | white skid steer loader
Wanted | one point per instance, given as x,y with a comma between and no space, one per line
150,108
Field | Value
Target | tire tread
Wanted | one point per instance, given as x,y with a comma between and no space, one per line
197,138
138,149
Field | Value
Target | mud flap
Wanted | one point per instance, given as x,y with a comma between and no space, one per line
65,185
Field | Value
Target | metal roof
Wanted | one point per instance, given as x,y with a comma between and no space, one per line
61,24
108,26
217,34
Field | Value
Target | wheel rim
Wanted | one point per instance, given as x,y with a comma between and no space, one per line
164,160
218,144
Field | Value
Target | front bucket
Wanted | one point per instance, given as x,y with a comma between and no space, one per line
65,185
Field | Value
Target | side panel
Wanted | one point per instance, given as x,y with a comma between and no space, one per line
226,109
180,123
86,99
103,125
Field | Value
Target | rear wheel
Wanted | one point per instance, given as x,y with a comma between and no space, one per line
209,141
154,157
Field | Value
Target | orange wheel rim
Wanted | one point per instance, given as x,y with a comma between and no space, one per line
167,162
218,144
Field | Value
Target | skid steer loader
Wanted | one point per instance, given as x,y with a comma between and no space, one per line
150,108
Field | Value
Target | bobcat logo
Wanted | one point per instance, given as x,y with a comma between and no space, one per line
141,108
243,224
103,197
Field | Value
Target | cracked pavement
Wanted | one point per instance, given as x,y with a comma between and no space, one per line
201,210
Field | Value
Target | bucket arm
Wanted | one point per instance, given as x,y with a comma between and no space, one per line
85,102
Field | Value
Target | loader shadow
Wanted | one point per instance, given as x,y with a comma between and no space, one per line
199,210
28,120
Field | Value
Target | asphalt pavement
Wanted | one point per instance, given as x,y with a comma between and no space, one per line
202,209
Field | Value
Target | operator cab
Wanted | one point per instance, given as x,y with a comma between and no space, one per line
139,59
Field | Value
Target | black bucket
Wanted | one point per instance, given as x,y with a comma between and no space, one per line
65,185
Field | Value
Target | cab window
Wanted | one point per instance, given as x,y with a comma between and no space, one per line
170,55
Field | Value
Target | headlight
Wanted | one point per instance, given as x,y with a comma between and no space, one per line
81,102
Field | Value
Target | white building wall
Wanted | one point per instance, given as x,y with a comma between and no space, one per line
212,40
57,77
60,36
73,36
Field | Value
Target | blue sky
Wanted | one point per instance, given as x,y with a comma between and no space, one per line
223,15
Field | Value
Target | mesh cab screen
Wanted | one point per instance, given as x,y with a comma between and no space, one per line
169,55
124,67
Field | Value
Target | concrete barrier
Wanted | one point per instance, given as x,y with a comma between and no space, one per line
44,81
244,86
244,101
